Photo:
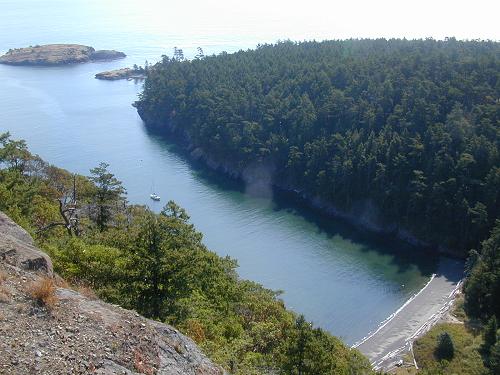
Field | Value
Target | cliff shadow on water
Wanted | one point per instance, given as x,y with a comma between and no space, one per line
403,255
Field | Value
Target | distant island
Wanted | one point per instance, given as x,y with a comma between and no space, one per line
137,73
57,54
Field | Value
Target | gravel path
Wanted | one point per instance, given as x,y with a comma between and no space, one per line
394,337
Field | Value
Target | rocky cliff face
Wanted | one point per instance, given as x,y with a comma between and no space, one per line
72,333
57,54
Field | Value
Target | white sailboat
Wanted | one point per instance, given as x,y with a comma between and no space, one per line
153,195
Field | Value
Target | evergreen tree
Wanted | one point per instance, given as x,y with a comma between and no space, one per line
296,354
490,335
178,54
13,153
152,272
445,348
494,359
107,195
200,54
482,287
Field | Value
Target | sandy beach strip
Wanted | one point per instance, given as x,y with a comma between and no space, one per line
386,345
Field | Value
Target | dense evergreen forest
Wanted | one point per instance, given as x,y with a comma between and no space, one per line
405,132
157,265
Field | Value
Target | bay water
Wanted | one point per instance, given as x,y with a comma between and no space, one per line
342,279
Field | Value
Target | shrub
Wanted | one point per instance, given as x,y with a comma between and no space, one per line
3,276
4,294
490,335
86,291
494,360
445,348
43,292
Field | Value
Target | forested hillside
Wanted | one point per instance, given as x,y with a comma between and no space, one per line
408,130
157,265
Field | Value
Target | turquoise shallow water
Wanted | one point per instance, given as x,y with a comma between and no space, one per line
343,280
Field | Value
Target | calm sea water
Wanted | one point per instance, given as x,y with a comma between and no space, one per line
342,280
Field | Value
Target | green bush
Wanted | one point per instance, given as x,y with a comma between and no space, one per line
445,349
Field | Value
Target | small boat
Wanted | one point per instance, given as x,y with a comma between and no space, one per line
154,197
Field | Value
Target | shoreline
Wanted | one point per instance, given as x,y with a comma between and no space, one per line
394,337
357,219
415,316
392,316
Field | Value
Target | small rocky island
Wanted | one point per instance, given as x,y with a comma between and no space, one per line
57,54
124,73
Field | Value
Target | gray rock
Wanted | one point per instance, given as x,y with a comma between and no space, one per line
7,226
17,249
112,368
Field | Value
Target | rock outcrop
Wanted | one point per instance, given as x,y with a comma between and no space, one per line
78,334
57,54
124,73
17,249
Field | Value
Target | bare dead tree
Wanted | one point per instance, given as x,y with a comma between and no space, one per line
68,212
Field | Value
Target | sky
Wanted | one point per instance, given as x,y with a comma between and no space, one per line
234,24
322,19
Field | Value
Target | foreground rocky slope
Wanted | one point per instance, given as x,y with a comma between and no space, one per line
57,54
72,333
